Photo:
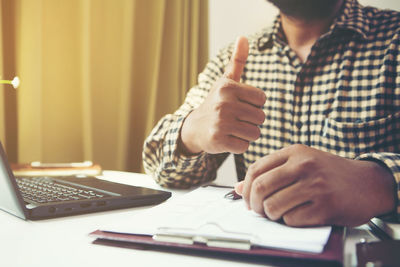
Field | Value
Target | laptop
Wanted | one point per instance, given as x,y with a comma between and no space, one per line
37,198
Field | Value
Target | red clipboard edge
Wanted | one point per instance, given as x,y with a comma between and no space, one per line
333,251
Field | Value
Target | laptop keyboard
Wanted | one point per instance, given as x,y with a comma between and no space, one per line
44,189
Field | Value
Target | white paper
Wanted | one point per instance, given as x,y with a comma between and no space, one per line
226,173
205,212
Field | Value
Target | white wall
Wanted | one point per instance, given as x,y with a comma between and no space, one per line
231,18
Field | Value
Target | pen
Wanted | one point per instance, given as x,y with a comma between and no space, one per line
233,195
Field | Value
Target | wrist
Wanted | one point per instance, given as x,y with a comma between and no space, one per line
187,139
386,186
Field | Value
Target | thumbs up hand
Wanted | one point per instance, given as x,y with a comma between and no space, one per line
228,119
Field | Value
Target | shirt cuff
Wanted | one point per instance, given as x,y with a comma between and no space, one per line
191,165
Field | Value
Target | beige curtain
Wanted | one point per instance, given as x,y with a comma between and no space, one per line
96,75
8,96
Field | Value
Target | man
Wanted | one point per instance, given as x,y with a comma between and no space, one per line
311,108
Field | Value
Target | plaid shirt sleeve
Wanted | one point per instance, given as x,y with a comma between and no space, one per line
161,156
392,129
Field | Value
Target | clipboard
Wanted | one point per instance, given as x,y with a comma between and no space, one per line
204,222
332,254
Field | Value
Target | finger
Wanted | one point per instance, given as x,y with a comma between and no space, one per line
244,130
231,90
239,187
233,144
231,112
284,200
249,113
238,59
307,214
261,166
269,183
252,95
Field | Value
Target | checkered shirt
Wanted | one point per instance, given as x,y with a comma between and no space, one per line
345,99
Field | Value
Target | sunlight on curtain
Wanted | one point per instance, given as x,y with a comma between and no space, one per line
2,88
96,75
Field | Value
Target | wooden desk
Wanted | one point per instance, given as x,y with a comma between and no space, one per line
65,242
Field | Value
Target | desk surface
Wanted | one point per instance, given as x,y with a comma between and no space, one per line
65,242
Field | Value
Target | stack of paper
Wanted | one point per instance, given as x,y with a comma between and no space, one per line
205,216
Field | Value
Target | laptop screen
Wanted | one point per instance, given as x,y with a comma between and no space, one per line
9,197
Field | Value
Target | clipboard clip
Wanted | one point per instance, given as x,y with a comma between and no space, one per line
189,236
210,242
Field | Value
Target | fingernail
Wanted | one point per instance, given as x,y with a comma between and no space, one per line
239,188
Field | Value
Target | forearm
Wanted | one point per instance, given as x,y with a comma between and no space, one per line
164,161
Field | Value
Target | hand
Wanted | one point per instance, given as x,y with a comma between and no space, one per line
228,118
305,186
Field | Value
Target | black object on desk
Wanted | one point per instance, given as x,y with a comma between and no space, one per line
233,195
384,253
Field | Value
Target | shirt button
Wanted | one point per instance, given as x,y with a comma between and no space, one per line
299,125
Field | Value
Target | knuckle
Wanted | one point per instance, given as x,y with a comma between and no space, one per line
226,87
259,187
270,209
307,163
297,148
220,108
253,133
252,171
261,98
241,147
244,146
260,117
257,133
298,218
290,220
317,184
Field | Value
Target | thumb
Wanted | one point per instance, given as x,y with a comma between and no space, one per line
238,60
